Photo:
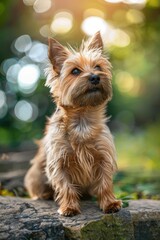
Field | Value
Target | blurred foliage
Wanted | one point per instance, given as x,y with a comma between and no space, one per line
139,150
133,185
5,192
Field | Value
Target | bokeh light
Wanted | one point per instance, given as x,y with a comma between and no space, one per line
135,1
28,77
24,61
118,38
3,104
126,83
41,6
135,16
12,73
3,110
26,111
113,1
93,24
2,98
62,23
23,43
45,31
38,52
29,2
128,1
7,63
93,12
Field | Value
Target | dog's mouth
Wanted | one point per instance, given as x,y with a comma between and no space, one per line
92,96
93,90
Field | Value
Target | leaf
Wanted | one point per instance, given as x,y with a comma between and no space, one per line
125,204
5,192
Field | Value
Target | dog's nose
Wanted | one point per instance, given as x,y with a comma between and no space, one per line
94,79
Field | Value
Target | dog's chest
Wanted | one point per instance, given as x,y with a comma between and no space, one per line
81,163
84,155
81,131
76,143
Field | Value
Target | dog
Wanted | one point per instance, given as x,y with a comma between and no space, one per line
77,153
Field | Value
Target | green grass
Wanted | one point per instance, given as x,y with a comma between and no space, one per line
138,163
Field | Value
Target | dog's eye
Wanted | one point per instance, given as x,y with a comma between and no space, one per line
76,71
97,67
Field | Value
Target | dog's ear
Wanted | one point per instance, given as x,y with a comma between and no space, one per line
95,42
57,54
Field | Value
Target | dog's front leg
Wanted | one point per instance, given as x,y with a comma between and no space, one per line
103,188
66,193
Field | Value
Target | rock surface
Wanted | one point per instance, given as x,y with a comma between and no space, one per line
22,219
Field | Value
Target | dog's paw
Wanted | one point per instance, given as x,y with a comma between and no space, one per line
113,207
68,211
35,197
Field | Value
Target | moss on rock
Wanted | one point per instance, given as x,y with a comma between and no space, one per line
113,226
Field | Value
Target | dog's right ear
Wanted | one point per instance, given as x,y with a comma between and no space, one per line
95,42
57,54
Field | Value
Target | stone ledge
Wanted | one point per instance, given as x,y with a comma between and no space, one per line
26,219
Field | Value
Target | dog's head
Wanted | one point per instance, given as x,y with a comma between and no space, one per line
79,78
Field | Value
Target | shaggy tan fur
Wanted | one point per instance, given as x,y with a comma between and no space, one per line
77,154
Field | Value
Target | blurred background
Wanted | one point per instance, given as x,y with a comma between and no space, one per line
131,34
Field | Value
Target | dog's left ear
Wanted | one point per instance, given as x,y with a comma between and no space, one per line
57,54
95,42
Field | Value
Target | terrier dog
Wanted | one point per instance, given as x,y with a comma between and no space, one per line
77,154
